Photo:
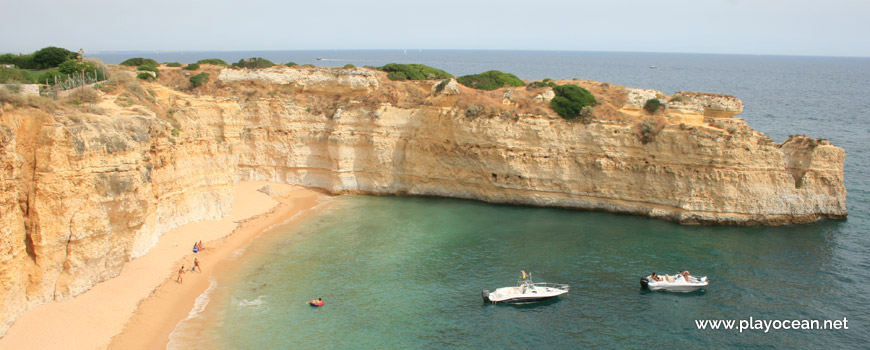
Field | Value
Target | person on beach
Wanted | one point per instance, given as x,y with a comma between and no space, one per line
195,247
196,265
180,272
199,246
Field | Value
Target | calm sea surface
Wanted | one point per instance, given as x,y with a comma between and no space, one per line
400,273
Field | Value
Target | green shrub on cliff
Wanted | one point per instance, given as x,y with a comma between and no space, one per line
254,63
148,68
348,66
213,61
570,100
652,105
199,79
490,80
146,76
24,61
12,75
401,72
48,77
647,131
140,61
172,64
192,66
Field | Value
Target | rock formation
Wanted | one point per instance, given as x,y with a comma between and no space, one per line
83,193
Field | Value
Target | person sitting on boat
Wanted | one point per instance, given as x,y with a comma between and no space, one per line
655,277
685,275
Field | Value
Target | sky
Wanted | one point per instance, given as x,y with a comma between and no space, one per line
768,27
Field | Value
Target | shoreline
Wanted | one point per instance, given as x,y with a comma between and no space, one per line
141,306
171,303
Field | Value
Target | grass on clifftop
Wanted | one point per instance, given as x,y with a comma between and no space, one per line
400,72
490,80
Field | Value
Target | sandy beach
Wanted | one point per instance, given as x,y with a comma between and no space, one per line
140,308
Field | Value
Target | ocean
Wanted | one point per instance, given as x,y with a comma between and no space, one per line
400,273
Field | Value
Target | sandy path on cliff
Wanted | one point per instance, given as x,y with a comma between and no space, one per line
91,320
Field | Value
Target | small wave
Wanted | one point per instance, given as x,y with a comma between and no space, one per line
176,337
238,252
256,302
323,202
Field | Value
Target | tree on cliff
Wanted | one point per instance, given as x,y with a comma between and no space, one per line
51,57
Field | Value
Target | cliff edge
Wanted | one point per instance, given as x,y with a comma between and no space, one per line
86,188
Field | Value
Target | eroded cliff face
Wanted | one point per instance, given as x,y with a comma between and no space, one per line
83,193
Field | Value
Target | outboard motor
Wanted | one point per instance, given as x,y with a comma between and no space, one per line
644,283
485,295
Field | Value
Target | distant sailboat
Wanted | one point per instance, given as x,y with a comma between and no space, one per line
406,52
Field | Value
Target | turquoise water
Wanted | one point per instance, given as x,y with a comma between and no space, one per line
400,273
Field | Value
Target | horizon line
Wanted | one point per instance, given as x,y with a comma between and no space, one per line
450,49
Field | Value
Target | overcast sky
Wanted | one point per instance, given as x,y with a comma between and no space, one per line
782,27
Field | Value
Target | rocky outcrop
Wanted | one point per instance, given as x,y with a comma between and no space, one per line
713,105
312,80
84,193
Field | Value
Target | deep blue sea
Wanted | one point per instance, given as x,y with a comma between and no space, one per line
400,273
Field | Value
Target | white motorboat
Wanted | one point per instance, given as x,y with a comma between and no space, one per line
525,291
677,283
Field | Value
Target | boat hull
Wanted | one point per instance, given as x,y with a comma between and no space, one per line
519,300
510,296
676,286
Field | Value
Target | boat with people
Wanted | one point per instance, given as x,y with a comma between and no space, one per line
316,302
682,282
525,291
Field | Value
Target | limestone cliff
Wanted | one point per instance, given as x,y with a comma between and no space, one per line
84,192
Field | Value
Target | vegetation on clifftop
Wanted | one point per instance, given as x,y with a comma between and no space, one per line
140,61
490,80
213,61
571,100
254,63
12,75
400,72
199,79
652,105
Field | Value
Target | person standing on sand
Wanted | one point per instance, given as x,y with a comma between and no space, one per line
196,265
180,272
